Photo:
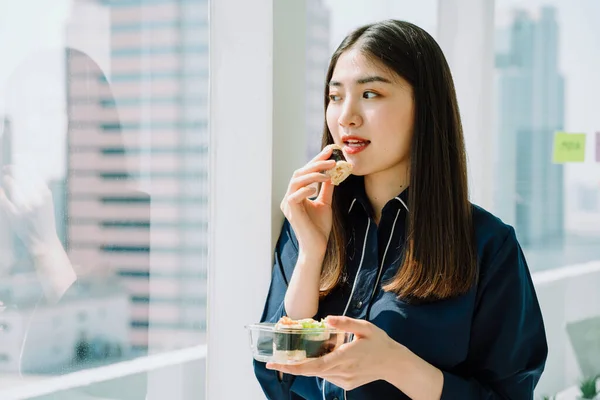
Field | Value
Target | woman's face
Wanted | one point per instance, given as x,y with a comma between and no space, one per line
370,114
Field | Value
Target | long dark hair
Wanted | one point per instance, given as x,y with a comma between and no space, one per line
440,260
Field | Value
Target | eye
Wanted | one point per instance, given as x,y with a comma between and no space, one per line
334,97
369,95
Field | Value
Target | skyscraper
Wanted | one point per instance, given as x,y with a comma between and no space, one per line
317,60
138,161
529,190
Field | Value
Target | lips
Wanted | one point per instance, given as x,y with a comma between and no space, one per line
354,144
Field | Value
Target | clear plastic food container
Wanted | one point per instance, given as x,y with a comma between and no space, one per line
293,345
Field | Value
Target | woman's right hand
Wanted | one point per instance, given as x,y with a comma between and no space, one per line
311,220
27,202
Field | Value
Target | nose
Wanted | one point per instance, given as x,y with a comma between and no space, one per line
350,115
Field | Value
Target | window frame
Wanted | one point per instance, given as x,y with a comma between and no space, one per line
467,39
240,104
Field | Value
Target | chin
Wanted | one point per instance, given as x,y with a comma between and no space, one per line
362,167
359,172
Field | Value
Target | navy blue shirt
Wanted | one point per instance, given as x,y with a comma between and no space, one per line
490,343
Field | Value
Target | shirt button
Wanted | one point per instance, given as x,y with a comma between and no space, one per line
358,304
335,398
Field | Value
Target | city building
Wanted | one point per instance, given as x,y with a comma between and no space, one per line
137,174
89,324
530,109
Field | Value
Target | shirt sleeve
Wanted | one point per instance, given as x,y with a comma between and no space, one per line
508,348
286,255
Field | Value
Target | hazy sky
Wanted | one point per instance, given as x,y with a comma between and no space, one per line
579,59
23,33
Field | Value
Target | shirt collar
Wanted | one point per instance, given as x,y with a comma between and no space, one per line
358,196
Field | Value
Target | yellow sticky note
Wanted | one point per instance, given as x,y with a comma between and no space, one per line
569,147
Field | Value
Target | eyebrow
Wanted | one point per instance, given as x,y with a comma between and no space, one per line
364,80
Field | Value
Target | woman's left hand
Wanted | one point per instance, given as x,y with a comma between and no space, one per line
353,364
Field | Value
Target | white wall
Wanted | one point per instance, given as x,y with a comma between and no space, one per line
465,34
240,248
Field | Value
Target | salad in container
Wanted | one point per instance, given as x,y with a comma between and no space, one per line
293,341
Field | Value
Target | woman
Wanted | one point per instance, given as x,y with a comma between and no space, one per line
436,290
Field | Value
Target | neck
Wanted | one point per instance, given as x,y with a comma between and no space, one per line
383,186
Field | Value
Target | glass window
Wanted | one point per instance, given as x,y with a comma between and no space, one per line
103,235
545,63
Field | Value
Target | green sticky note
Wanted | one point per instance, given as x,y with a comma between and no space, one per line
569,147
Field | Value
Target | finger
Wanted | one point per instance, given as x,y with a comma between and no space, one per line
359,327
20,191
325,366
302,194
324,154
7,176
6,204
312,367
326,194
317,166
305,180
11,188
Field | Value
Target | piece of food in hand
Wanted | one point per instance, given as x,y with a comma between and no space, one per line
342,168
298,340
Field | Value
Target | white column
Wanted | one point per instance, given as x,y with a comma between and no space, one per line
466,35
289,94
258,137
240,124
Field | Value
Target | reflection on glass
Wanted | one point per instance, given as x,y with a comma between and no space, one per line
103,229
545,58
532,193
